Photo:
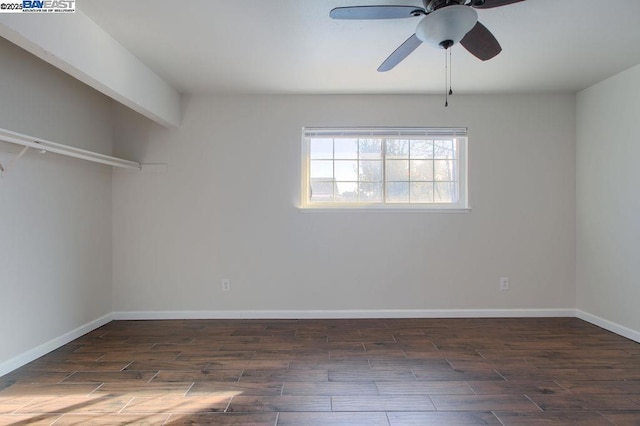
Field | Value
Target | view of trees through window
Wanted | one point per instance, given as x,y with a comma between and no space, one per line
383,170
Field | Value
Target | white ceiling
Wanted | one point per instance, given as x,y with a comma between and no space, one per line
292,46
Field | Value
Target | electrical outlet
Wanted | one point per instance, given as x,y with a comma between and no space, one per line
226,285
504,283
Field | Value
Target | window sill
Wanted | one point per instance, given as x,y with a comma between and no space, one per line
381,209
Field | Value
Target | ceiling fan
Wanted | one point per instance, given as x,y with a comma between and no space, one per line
444,23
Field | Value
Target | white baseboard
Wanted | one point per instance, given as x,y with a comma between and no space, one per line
53,344
349,314
609,325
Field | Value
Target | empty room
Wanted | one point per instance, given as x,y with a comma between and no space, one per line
337,212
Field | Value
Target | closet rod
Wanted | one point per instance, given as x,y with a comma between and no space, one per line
70,151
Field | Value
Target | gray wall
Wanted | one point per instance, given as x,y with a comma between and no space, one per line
608,202
55,212
228,208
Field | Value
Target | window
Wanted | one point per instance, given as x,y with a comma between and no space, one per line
413,168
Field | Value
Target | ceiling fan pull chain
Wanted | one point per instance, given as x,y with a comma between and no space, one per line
446,83
450,73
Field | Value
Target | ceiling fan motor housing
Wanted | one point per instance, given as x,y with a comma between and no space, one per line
431,5
447,26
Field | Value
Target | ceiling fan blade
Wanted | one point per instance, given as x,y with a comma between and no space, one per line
488,4
376,12
481,43
400,53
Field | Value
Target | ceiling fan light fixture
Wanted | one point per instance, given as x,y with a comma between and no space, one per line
447,26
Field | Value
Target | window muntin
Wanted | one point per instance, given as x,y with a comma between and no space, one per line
421,168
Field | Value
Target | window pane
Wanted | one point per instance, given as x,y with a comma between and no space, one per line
443,149
370,171
421,192
421,149
370,149
398,192
378,166
346,191
397,170
346,149
321,190
321,169
346,170
443,170
397,148
445,192
421,170
371,192
321,149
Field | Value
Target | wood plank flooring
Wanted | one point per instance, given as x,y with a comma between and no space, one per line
332,372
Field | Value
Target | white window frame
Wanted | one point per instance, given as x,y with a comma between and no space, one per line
459,135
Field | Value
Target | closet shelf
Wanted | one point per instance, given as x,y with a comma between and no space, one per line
43,145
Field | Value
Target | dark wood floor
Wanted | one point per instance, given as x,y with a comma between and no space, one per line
329,372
